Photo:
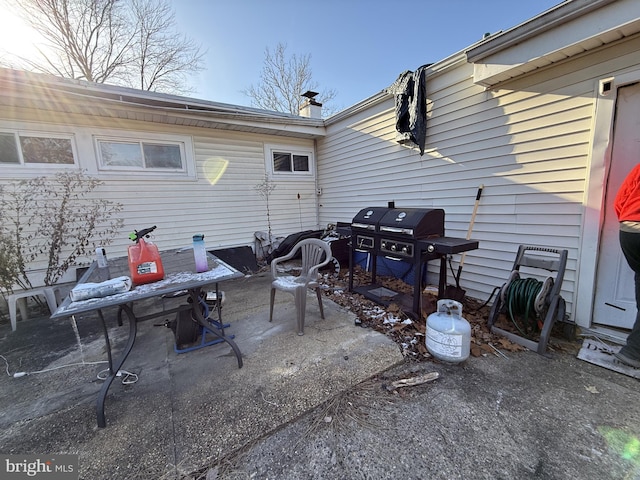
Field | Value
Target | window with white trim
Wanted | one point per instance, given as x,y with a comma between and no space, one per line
141,155
24,148
284,160
290,162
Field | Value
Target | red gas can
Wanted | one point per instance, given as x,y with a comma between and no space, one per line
145,264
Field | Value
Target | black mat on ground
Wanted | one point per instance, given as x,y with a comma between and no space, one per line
240,258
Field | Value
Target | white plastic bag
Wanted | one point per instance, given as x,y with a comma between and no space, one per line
84,291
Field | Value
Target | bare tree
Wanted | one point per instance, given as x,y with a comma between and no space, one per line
124,42
86,40
283,80
164,59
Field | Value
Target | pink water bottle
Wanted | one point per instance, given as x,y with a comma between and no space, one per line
200,253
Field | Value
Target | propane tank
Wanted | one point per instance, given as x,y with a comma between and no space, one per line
448,335
145,264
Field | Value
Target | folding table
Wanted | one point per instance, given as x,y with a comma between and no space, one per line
179,267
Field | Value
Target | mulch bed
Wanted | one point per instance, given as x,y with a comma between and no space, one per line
408,332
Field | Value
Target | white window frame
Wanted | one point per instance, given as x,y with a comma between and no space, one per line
184,143
17,133
270,149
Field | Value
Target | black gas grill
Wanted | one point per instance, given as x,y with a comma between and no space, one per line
410,235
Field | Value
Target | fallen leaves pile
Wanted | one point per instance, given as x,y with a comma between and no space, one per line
408,332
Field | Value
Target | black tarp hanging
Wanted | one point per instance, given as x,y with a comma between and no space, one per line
410,92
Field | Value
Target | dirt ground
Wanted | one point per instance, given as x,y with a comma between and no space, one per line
409,332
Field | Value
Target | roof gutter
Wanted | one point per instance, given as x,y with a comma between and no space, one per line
114,95
550,19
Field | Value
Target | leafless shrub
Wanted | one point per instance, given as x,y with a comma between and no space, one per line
55,220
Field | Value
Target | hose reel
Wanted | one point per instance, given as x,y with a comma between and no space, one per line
527,299
531,305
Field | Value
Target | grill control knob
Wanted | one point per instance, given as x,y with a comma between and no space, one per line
431,248
405,249
393,247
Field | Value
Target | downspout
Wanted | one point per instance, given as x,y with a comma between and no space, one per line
317,182
311,108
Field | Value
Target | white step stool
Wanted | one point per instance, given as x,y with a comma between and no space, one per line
20,299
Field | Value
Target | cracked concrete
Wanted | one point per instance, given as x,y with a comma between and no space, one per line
311,407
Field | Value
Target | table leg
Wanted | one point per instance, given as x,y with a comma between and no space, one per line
218,320
114,369
197,312
442,281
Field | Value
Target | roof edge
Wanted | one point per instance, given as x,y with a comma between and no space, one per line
142,98
552,18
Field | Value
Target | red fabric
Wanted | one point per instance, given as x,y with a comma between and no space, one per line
627,202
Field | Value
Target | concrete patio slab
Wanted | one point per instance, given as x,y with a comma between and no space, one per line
311,407
185,410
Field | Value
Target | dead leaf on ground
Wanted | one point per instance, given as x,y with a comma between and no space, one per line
412,335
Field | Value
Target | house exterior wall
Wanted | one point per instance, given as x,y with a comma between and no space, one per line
227,212
528,141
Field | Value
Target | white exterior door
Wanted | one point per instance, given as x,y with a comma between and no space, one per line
614,303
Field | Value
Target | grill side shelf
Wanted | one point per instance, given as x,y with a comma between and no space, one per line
448,245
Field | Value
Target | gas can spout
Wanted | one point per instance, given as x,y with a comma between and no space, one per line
136,235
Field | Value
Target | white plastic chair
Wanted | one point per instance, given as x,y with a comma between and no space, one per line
19,300
316,254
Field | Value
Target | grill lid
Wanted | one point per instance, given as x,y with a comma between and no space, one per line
368,218
417,223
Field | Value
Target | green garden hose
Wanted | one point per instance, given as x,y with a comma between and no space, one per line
520,297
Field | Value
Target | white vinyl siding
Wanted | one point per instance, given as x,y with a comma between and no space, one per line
528,142
222,203
218,199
